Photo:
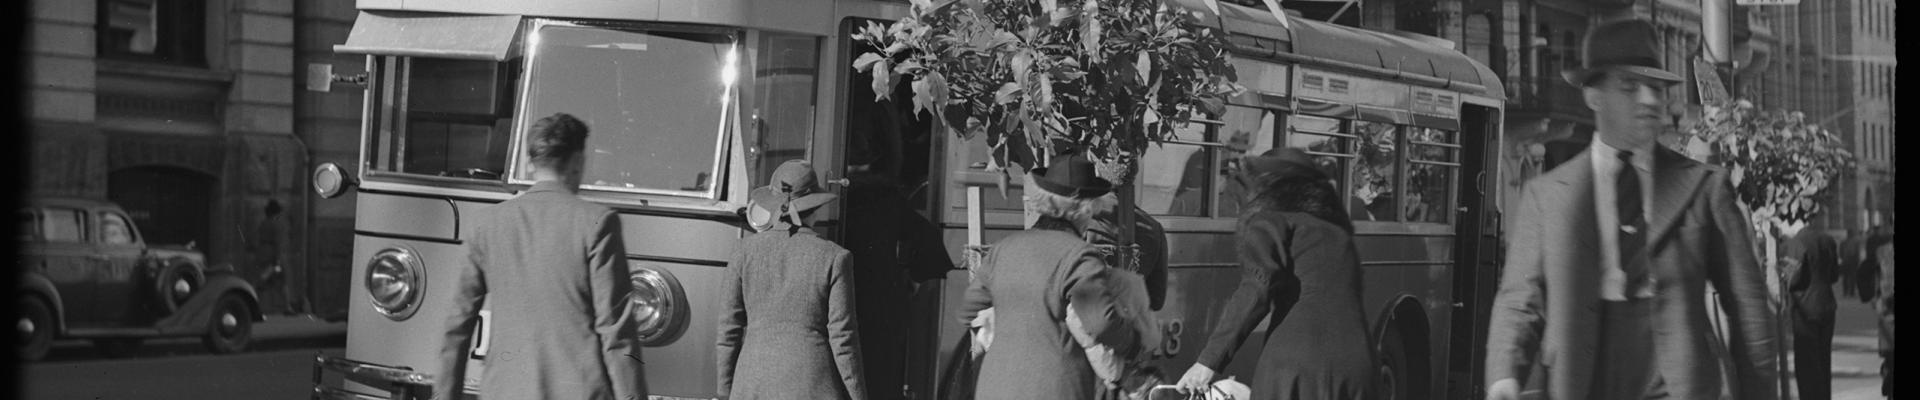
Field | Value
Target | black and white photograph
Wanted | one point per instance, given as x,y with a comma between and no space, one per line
953,199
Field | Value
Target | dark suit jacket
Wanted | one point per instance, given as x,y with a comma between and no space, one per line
1811,260
1547,308
788,328
554,270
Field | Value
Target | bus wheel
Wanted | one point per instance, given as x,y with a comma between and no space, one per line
1395,384
231,327
34,329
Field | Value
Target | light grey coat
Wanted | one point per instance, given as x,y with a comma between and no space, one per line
1548,304
788,329
554,269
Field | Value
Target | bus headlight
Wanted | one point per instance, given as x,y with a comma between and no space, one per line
659,306
394,280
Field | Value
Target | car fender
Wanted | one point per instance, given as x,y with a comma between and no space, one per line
192,316
221,283
34,284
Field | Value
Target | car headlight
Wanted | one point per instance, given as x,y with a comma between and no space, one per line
394,280
659,306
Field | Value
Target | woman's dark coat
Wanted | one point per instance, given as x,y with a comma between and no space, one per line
1304,273
788,330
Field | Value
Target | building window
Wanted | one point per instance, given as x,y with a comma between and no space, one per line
165,31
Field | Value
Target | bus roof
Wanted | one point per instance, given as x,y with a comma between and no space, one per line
1257,33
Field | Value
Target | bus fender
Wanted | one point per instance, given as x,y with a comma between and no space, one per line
1407,318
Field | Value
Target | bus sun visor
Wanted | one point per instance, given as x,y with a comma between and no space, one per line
483,37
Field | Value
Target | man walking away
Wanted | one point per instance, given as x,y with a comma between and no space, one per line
553,270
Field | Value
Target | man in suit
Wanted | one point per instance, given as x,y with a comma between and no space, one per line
1605,279
553,270
1810,259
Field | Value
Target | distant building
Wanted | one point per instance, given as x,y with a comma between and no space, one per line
1836,65
190,114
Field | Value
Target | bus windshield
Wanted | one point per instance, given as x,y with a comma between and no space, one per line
654,100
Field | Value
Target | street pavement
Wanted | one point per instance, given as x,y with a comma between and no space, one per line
278,366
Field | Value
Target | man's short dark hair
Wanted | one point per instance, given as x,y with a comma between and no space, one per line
556,138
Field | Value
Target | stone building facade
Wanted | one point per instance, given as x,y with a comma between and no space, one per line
189,114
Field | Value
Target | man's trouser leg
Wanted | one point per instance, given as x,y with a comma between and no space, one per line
1813,358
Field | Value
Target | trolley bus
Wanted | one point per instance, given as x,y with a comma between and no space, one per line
692,103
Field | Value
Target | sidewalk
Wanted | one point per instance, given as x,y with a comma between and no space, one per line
1856,355
298,327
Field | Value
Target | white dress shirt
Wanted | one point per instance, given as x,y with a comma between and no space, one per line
1606,167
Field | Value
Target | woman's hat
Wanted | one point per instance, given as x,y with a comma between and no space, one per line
1626,45
792,189
1279,162
1071,176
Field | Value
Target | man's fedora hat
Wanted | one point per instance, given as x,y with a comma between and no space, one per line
1627,45
1071,176
792,189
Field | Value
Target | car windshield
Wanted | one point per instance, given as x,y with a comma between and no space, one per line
654,102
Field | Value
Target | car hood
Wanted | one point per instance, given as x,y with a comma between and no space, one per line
173,251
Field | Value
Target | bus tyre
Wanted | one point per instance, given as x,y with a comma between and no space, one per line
176,283
230,328
1395,384
34,328
117,347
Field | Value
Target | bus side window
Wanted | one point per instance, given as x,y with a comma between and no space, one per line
1247,131
1375,173
1433,166
449,118
1332,147
782,115
1177,178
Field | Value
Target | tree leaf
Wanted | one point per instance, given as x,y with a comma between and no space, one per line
1142,66
866,61
1008,93
1090,37
908,67
1021,64
922,95
882,80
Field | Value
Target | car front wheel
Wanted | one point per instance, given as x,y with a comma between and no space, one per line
230,329
35,329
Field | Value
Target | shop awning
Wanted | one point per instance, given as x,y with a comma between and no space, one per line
484,37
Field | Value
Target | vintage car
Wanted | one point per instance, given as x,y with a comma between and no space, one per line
86,273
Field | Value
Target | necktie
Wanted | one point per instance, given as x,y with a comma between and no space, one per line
1632,225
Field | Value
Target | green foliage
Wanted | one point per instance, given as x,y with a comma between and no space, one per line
1783,167
1103,76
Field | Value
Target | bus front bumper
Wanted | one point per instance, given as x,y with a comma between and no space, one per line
401,383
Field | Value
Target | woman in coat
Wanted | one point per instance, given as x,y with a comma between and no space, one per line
1054,301
1298,266
788,331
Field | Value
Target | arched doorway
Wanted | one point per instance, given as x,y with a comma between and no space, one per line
171,205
